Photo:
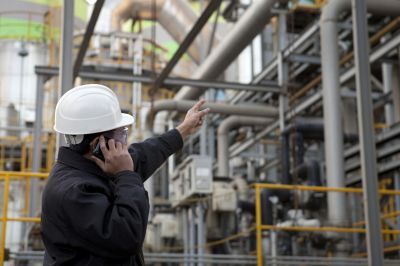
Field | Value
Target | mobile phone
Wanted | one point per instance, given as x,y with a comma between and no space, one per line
97,150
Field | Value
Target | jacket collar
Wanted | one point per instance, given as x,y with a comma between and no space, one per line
76,160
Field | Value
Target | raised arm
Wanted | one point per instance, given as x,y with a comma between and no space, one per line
152,153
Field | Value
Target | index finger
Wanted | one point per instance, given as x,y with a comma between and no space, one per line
197,106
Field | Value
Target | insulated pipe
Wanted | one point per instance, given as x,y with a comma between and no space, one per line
223,143
250,24
331,100
176,17
217,108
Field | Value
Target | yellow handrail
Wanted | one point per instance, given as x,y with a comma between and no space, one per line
7,176
4,219
260,227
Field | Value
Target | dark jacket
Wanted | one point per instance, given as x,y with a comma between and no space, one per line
91,219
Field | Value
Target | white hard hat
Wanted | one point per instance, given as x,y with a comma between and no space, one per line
88,109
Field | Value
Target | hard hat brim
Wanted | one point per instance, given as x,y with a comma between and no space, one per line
126,120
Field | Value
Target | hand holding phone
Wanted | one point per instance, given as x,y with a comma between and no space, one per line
116,157
97,150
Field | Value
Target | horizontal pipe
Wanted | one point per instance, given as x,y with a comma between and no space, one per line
325,229
217,108
323,189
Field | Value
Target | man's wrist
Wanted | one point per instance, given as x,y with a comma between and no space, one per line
183,130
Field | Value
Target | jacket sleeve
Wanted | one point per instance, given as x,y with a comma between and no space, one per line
152,153
108,227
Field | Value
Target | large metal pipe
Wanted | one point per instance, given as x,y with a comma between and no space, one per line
217,108
176,16
332,102
250,24
223,144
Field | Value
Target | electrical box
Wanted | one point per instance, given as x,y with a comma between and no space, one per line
167,224
224,197
193,177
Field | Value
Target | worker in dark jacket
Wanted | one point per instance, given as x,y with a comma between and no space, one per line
94,207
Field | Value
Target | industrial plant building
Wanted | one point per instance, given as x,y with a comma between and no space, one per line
297,161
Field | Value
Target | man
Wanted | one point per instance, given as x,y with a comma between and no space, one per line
94,207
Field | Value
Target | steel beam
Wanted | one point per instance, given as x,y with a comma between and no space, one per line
66,71
37,145
367,134
212,6
86,38
128,77
66,78
378,53
307,59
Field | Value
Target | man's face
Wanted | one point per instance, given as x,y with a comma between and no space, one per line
118,134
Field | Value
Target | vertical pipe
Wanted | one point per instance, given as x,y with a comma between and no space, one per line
171,161
274,247
185,223
200,233
192,223
367,134
333,129
387,70
4,220
37,144
258,228
66,64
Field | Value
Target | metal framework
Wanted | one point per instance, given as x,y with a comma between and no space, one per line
86,38
212,6
367,134
261,227
128,77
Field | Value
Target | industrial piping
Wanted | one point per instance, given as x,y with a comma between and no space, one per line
331,99
215,108
219,108
223,143
176,16
250,24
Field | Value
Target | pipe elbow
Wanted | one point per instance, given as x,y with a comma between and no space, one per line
332,9
227,124
120,13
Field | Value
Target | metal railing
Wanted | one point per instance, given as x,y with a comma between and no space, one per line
262,227
7,178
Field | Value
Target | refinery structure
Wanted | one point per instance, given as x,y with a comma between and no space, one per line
298,161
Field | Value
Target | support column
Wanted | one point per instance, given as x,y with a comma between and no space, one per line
333,128
66,64
283,75
367,134
37,145
192,235
200,233
185,225
387,69
396,92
